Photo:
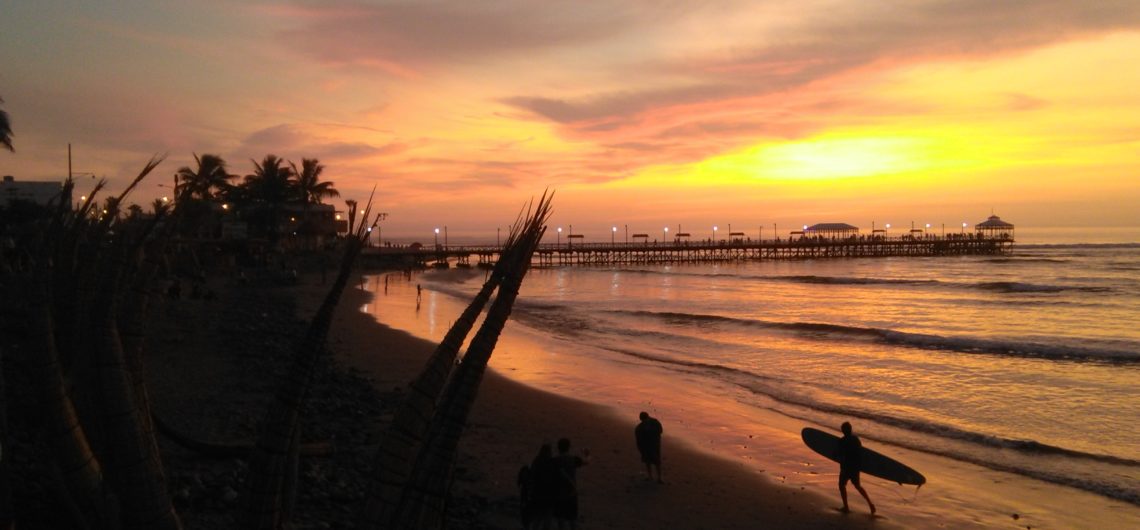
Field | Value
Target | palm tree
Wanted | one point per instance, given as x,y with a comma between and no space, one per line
309,185
351,203
271,185
208,180
5,130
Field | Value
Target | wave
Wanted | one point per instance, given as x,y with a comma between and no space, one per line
754,383
1026,260
915,340
1001,287
1023,287
839,280
1078,245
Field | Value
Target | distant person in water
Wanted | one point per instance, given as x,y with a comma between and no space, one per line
419,292
566,496
850,464
648,436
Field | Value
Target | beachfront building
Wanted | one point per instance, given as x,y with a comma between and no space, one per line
831,231
35,192
308,226
994,228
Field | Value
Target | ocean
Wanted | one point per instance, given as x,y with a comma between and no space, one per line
1020,371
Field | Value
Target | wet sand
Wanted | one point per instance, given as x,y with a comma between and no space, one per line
510,421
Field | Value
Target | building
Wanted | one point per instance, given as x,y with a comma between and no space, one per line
994,228
36,192
831,230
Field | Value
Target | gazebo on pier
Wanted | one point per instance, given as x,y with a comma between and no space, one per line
994,228
831,230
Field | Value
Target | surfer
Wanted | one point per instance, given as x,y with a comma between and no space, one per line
850,464
648,436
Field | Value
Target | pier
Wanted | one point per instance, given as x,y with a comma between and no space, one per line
703,251
821,241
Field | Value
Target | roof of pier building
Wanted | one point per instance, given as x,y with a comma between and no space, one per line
832,229
993,222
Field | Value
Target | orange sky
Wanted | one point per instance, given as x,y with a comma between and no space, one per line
640,113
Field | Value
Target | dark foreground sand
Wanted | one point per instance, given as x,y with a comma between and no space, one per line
511,420
215,364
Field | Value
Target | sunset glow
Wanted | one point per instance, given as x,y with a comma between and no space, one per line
458,112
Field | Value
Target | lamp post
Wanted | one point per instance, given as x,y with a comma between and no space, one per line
436,238
627,234
714,234
559,237
613,235
445,237
963,228
497,236
665,235
887,232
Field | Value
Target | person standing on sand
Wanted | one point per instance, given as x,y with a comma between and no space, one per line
648,436
850,464
538,490
566,498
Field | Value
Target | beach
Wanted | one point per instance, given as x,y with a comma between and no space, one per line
730,461
510,420
215,364
933,360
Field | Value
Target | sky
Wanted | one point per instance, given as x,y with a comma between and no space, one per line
638,113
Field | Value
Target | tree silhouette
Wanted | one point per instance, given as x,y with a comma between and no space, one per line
269,187
308,181
5,130
209,180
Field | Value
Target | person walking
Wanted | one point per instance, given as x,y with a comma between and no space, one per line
648,437
850,464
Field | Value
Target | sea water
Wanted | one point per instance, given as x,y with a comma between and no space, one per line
1019,371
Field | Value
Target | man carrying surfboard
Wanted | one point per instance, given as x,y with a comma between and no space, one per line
850,464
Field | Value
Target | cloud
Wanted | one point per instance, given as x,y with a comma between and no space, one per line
830,43
292,140
402,37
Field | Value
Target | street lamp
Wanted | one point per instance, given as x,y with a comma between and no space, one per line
714,234
559,237
887,233
963,227
445,237
436,238
665,235
497,228
613,234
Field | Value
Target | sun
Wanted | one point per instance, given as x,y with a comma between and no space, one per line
826,158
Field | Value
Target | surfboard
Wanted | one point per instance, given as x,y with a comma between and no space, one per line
874,464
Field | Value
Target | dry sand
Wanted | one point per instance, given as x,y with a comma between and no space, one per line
510,421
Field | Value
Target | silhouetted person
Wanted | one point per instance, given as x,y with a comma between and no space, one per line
566,499
537,485
850,464
648,436
419,292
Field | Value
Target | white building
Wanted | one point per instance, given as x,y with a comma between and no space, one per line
38,192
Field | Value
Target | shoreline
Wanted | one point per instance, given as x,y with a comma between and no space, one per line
765,442
511,420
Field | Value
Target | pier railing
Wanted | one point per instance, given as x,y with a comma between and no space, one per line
700,251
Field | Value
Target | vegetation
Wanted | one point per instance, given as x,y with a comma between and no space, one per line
5,130
82,280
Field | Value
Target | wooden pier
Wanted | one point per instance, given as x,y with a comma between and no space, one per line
706,251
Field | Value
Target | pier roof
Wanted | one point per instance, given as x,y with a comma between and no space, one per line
994,222
832,227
